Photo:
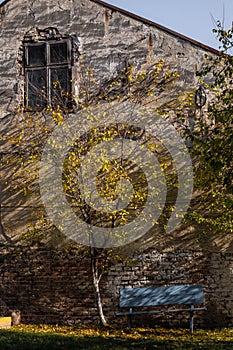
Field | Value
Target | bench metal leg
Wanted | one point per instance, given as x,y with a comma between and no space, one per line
191,319
130,318
129,321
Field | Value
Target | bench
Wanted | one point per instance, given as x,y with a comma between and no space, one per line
188,295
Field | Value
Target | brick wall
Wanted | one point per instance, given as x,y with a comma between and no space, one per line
55,286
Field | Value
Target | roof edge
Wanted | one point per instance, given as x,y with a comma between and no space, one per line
159,26
149,22
4,3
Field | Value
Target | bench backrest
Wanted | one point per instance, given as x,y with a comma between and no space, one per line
172,295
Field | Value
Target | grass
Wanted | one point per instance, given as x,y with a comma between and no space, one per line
45,337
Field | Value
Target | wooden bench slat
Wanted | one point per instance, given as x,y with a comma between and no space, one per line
171,295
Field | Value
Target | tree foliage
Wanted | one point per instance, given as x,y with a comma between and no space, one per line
213,142
29,133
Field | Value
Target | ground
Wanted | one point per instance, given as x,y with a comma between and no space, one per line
45,337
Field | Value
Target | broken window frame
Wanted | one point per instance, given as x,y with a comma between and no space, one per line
62,98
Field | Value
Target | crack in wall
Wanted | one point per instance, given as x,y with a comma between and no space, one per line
30,10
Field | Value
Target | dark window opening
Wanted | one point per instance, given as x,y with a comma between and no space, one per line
36,88
58,53
36,55
48,74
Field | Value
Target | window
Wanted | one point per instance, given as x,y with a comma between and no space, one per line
47,73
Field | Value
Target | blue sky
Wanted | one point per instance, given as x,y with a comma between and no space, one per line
192,18
189,17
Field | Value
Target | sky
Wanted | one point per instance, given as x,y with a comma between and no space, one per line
193,18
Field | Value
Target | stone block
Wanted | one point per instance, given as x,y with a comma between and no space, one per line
5,322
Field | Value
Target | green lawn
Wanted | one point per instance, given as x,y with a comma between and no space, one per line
44,337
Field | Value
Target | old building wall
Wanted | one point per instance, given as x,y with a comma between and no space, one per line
52,286
107,39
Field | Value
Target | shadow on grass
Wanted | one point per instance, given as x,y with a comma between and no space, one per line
20,340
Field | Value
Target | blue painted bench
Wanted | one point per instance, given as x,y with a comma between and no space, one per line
188,295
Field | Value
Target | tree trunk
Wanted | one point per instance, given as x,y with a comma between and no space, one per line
96,276
2,231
